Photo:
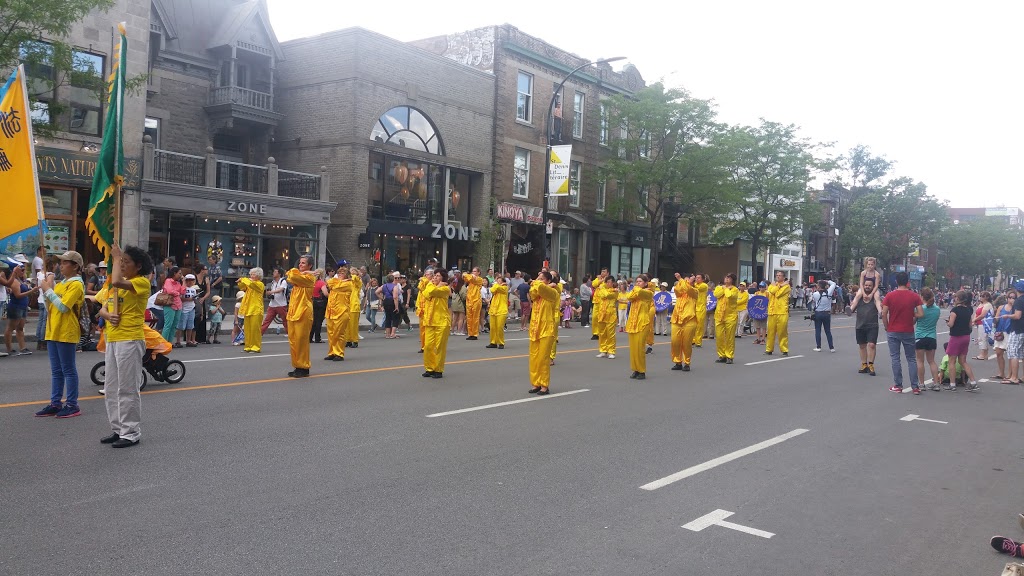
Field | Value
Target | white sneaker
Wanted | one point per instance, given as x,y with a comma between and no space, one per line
4,354
817,349
832,350
612,356
602,355
361,337
102,391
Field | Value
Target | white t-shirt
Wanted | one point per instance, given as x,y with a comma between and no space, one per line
281,298
189,305
37,265
151,303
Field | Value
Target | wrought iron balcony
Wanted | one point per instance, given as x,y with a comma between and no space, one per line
235,102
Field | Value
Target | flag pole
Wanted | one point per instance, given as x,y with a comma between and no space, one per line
118,168
32,147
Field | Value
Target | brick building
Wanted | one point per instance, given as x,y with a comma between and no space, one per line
526,71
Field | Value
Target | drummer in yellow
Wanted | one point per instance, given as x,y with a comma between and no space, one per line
702,310
606,316
438,321
778,314
252,309
300,315
725,319
684,321
338,314
545,295
641,307
597,284
353,311
474,302
498,312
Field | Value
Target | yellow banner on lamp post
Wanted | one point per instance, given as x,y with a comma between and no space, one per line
558,170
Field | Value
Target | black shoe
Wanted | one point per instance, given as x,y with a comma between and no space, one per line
785,353
110,439
633,375
348,344
437,375
421,351
491,346
123,443
299,373
533,390
543,392
501,346
650,350
728,360
428,374
686,367
339,358
595,337
471,338
864,370
355,344
330,357
677,366
721,360
641,376
767,353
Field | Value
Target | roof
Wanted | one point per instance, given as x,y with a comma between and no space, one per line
195,26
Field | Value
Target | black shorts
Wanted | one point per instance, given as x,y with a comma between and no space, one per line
867,335
925,344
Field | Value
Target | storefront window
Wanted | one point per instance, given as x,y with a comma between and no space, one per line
630,261
403,190
56,201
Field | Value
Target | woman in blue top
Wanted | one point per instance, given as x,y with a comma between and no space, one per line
17,309
925,338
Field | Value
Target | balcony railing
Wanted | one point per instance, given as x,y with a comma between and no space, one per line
244,177
298,185
181,168
242,97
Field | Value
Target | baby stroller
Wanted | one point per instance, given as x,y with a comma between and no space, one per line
154,361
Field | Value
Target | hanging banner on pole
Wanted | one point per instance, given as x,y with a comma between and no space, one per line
558,171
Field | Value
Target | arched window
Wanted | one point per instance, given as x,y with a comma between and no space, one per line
409,128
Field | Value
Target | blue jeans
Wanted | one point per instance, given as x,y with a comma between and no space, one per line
371,316
158,313
823,319
41,327
64,373
906,340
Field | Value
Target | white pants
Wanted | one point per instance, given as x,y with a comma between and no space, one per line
661,322
123,376
741,317
982,339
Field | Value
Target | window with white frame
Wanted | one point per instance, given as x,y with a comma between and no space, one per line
577,115
524,100
601,191
521,178
574,184
602,137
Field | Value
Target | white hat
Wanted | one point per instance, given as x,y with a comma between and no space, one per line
190,276
240,295
102,264
396,274
20,258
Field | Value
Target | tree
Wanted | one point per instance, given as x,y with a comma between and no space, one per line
982,246
857,173
668,154
885,222
770,173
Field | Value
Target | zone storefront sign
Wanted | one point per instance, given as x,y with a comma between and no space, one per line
246,207
452,232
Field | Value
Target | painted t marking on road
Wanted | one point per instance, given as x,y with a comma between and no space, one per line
717,518
912,417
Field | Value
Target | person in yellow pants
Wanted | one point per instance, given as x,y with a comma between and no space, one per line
438,321
702,310
354,310
597,284
741,308
338,314
684,322
606,316
421,302
638,324
725,319
300,315
474,303
544,295
557,313
252,309
778,315
498,312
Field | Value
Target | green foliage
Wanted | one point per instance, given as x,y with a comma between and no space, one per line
884,223
980,247
857,173
488,249
770,170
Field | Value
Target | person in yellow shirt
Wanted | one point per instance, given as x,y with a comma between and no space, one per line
702,309
741,308
606,316
684,321
252,309
622,305
474,303
300,315
498,312
544,295
641,305
421,303
354,310
339,300
725,319
438,321
597,284
778,315
125,314
64,301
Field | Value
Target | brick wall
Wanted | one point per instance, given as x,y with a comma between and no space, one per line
179,105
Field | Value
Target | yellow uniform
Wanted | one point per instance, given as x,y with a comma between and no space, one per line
252,313
778,317
684,321
741,310
338,315
353,311
542,332
498,313
131,308
638,325
474,303
438,321
63,305
597,285
300,316
605,317
702,312
725,321
650,333
421,302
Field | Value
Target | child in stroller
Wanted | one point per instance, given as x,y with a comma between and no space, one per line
155,361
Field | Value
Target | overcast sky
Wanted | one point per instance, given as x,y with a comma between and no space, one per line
935,87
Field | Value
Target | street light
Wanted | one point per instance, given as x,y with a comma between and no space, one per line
547,147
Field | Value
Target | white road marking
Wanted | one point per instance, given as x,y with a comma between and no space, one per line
717,518
510,402
247,356
912,417
774,360
721,460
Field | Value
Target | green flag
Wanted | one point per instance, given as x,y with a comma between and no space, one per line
102,220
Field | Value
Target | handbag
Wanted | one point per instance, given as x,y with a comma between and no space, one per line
164,299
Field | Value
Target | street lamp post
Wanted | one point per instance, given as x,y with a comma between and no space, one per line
547,148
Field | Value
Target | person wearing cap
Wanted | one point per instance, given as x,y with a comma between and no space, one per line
216,318
64,301
187,318
338,313
438,321
684,321
474,303
498,313
606,314
252,309
300,315
355,307
17,307
661,324
742,298
702,311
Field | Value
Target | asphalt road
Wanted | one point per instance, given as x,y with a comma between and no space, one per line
243,471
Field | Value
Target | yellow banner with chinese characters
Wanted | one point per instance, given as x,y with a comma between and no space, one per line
19,187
